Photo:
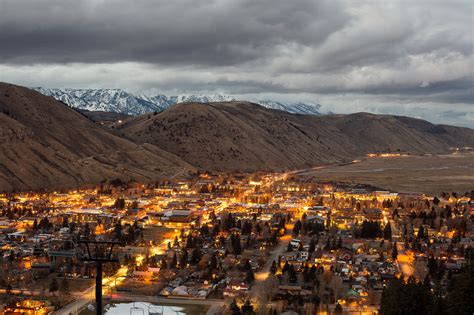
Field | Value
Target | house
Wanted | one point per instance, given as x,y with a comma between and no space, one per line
352,244
295,243
17,237
142,275
345,254
317,219
29,307
304,255
235,287
177,217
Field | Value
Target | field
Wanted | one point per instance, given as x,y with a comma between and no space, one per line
426,174
127,308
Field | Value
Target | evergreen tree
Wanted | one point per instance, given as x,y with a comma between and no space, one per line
459,298
395,214
234,308
247,308
432,266
387,232
312,246
174,261
273,268
176,242
328,244
215,230
87,230
339,242
394,251
292,274
370,229
213,262
196,255
64,286
427,282
297,228
235,241
250,277
183,261
119,203
163,264
189,241
421,233
53,286
409,297
118,230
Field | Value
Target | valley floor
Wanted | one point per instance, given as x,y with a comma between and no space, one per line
426,174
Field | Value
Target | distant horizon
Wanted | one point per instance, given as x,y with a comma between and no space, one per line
325,109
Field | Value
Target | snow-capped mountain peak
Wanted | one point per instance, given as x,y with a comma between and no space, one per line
120,101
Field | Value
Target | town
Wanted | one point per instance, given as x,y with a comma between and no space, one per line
261,243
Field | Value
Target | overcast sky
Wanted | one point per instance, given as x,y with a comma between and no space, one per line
403,57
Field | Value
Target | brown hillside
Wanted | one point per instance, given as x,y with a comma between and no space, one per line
382,132
246,136
45,144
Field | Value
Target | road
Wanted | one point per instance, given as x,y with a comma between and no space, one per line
307,171
79,303
262,275
405,258
87,296
25,292
405,261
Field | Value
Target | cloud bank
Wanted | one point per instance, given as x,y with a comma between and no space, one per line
402,57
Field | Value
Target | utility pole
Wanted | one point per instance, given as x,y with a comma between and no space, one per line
99,252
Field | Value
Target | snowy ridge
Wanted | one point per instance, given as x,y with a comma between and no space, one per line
120,101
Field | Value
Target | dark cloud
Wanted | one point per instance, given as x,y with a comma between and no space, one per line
178,31
413,52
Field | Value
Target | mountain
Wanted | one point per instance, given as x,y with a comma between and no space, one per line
46,144
120,101
245,136
106,100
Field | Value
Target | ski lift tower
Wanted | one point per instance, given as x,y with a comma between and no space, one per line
99,252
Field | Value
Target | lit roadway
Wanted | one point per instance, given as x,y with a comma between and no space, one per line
404,259
315,168
262,275
86,297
